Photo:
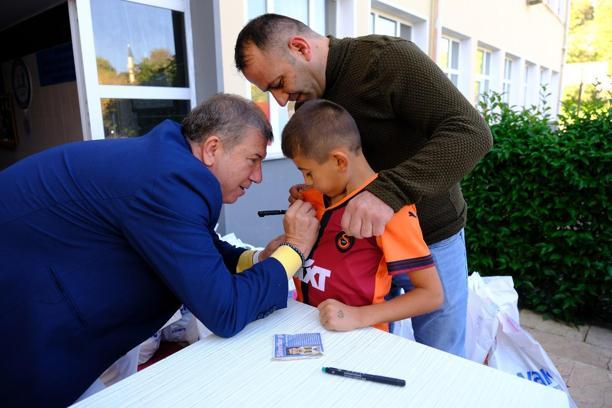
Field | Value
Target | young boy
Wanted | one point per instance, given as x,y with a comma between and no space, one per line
348,278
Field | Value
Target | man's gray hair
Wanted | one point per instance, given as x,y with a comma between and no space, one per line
226,116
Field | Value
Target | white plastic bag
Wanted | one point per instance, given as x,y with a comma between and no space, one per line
486,298
149,347
495,337
515,351
186,329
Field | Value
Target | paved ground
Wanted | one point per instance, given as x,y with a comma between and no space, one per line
582,355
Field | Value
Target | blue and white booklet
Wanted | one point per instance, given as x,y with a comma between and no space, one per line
297,346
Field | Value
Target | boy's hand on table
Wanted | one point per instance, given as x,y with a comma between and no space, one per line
337,316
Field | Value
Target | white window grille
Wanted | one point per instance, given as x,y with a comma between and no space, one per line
393,27
507,81
483,73
449,58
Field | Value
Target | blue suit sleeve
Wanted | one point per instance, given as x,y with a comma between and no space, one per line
169,224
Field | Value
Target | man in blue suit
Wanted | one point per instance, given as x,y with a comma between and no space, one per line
102,241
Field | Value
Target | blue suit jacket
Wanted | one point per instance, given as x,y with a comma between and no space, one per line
100,242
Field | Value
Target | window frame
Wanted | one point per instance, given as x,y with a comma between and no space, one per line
529,71
87,74
398,21
484,75
449,70
507,79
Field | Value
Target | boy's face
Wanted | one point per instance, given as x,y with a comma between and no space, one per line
329,177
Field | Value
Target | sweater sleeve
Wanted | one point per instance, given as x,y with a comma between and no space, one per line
421,96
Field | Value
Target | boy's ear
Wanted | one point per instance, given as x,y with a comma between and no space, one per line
210,150
340,160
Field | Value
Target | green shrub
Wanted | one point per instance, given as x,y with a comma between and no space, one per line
539,208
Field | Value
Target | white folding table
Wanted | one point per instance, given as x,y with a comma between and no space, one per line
240,372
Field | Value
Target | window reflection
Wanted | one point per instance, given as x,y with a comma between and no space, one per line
261,99
444,45
138,44
135,117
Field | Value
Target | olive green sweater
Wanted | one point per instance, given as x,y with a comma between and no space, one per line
417,130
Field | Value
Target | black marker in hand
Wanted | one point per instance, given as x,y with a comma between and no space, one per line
263,213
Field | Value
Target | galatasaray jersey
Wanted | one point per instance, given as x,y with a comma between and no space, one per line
358,272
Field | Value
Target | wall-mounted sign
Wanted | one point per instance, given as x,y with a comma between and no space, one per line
55,65
22,84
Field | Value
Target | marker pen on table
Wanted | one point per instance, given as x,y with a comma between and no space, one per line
363,376
263,213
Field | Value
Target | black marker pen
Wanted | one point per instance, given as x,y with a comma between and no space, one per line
363,376
263,213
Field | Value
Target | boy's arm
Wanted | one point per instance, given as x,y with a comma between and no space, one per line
426,296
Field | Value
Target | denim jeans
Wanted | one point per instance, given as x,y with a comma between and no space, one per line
444,328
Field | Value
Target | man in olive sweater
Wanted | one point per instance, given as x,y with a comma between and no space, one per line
418,131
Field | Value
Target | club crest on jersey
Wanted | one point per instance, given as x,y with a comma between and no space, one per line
344,242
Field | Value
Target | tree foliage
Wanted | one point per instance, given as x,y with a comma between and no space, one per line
590,31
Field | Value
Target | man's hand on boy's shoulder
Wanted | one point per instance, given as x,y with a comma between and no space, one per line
365,216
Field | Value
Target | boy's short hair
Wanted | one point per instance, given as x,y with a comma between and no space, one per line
317,127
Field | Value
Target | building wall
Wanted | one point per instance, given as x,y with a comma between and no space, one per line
532,32
232,17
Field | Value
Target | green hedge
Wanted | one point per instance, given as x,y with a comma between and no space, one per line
539,208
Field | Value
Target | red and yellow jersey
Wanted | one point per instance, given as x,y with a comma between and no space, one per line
358,272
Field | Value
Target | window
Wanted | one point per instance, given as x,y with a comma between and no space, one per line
507,81
392,27
554,91
544,90
310,12
135,65
449,58
483,73
528,83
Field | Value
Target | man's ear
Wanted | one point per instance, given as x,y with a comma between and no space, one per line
211,148
340,160
301,46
